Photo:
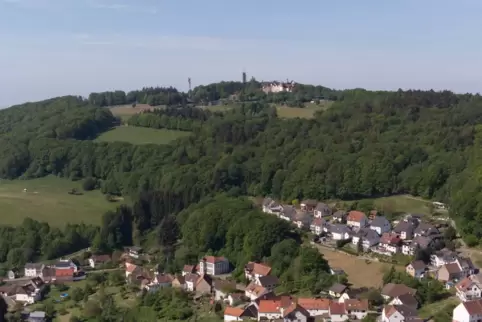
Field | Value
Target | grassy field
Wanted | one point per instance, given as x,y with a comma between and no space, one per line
361,273
306,112
140,135
429,310
47,200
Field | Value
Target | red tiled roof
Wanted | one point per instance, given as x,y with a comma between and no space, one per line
255,289
389,310
188,268
269,306
261,269
314,304
318,222
390,238
337,308
473,307
464,284
452,268
233,311
213,259
355,304
130,267
355,215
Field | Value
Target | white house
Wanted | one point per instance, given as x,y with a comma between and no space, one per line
368,238
381,225
398,313
337,312
322,210
470,311
356,219
233,314
315,306
271,207
211,265
339,232
317,226
34,270
254,291
469,288
443,257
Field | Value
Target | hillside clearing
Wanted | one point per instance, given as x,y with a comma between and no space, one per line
140,135
306,112
47,199
361,273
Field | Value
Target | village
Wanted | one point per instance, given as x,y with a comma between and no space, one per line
258,298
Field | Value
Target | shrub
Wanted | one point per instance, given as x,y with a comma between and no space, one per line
89,184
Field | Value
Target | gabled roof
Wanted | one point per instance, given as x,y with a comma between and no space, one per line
268,280
390,238
258,268
368,234
288,211
130,268
268,306
404,310
422,241
473,307
338,288
222,285
100,258
452,268
213,259
233,311
394,290
314,303
426,229
37,266
356,216
379,221
339,214
406,226
189,269
191,278
418,265
164,278
337,308
354,304
309,202
339,229
323,207
318,222
408,300
256,289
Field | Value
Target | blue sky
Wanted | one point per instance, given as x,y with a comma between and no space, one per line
57,47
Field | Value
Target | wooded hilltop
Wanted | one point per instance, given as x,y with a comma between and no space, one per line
367,144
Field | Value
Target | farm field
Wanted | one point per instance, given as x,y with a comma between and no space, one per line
306,112
47,199
360,272
140,135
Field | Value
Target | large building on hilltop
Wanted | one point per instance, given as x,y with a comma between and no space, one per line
277,87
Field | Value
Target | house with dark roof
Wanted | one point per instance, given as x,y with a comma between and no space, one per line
96,260
337,289
398,313
339,216
271,206
406,227
134,251
322,210
302,220
416,269
425,230
270,282
405,299
367,236
308,205
318,226
450,272
392,290
222,289
288,213
380,224
420,242
188,269
339,232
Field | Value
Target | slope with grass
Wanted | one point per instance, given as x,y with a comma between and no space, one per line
141,135
47,199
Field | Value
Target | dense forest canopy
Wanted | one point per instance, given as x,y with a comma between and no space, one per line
425,143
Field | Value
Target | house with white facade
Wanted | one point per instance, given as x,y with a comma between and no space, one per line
390,243
356,219
399,313
368,238
233,314
339,232
253,270
322,210
469,288
470,311
288,213
33,269
315,306
318,226
443,257
212,265
381,225
270,206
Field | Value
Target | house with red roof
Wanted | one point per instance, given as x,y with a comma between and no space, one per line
212,265
469,288
253,271
356,219
233,314
470,311
284,308
315,306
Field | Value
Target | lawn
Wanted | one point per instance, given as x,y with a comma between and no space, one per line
306,112
360,272
140,135
47,199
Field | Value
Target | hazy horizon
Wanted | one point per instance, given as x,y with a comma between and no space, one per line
65,47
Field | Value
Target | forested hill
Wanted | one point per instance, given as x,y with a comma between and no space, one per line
369,143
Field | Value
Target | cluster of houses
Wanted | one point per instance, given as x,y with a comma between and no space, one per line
374,233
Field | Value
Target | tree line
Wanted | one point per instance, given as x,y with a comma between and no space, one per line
368,144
